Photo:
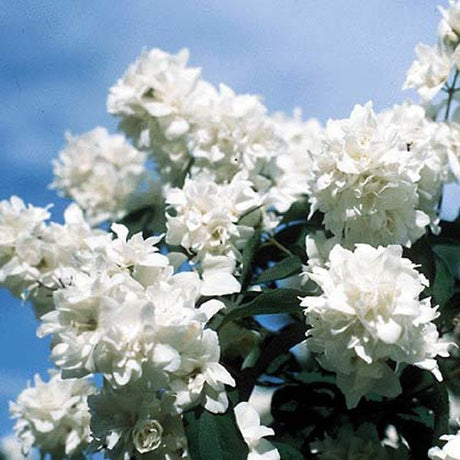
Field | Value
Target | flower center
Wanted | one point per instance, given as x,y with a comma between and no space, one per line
147,435
84,325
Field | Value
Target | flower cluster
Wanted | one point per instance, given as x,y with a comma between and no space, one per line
33,253
101,173
369,315
185,122
378,177
123,313
434,64
292,168
205,201
213,222
113,306
135,421
189,127
54,416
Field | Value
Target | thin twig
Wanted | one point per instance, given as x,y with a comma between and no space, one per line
450,91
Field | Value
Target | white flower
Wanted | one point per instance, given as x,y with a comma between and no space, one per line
102,316
217,275
450,450
428,141
365,182
449,26
100,172
199,378
10,449
100,324
318,247
136,422
453,149
253,432
53,416
232,134
292,167
153,99
63,249
363,444
34,254
21,229
113,325
188,125
205,220
430,71
137,256
370,313
207,216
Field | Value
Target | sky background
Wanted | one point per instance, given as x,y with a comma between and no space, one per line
59,58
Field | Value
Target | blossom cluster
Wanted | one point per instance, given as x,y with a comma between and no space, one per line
101,173
197,204
433,66
54,415
378,177
368,315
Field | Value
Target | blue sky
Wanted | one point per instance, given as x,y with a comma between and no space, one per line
60,57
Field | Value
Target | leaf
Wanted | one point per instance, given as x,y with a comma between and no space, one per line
450,251
281,270
451,229
300,405
298,211
275,345
418,436
443,284
288,452
214,436
269,302
148,220
441,411
422,393
248,254
420,414
422,254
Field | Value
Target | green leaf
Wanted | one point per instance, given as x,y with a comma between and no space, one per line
298,211
288,452
273,346
417,434
441,411
443,285
422,254
269,302
451,229
214,436
450,251
420,414
248,254
422,393
148,220
281,270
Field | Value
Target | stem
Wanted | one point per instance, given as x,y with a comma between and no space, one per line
280,246
450,91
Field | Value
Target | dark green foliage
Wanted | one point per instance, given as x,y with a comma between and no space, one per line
214,436
281,270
